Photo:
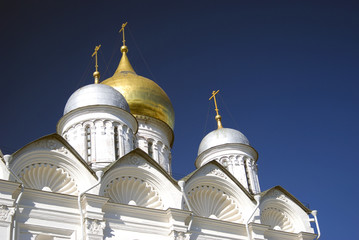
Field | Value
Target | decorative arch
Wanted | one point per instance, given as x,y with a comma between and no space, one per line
209,201
277,218
281,211
212,192
47,177
133,191
136,179
50,164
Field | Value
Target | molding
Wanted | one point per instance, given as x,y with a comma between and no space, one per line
93,204
226,149
217,228
46,200
115,113
178,218
8,192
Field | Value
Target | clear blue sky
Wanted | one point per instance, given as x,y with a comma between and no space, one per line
287,73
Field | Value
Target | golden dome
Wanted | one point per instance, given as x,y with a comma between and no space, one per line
143,95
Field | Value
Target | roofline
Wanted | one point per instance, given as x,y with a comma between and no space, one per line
189,176
147,158
288,194
65,143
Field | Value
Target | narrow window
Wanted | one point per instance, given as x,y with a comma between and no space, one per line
150,149
88,142
117,143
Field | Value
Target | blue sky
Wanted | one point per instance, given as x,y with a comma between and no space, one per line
287,73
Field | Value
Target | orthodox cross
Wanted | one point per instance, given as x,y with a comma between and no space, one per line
218,117
95,54
123,32
96,74
214,98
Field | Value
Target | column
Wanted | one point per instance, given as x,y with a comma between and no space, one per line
242,175
249,165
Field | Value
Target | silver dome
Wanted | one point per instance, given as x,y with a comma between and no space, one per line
221,136
96,94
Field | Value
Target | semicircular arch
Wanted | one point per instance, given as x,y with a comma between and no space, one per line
217,197
52,171
140,184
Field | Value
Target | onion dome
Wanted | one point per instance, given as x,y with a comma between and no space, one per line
96,94
144,96
221,136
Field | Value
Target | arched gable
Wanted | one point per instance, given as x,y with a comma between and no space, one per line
51,164
282,211
213,192
136,179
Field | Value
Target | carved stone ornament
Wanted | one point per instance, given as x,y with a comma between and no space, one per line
47,177
277,219
95,226
136,161
181,235
276,195
214,171
211,202
53,145
6,212
133,191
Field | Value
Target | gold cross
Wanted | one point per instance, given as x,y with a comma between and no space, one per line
123,32
95,54
215,102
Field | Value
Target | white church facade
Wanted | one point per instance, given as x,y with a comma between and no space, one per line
106,174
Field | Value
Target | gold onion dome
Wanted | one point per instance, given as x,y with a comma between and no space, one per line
143,95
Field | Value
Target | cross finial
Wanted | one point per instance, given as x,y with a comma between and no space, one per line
96,74
218,117
123,33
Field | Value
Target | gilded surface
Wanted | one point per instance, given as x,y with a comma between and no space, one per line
143,95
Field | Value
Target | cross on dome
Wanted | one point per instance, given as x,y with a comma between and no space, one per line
96,74
124,47
218,117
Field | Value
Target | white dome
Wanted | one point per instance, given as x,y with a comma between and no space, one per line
221,136
96,94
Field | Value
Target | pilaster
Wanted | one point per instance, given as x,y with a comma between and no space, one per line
8,193
93,213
